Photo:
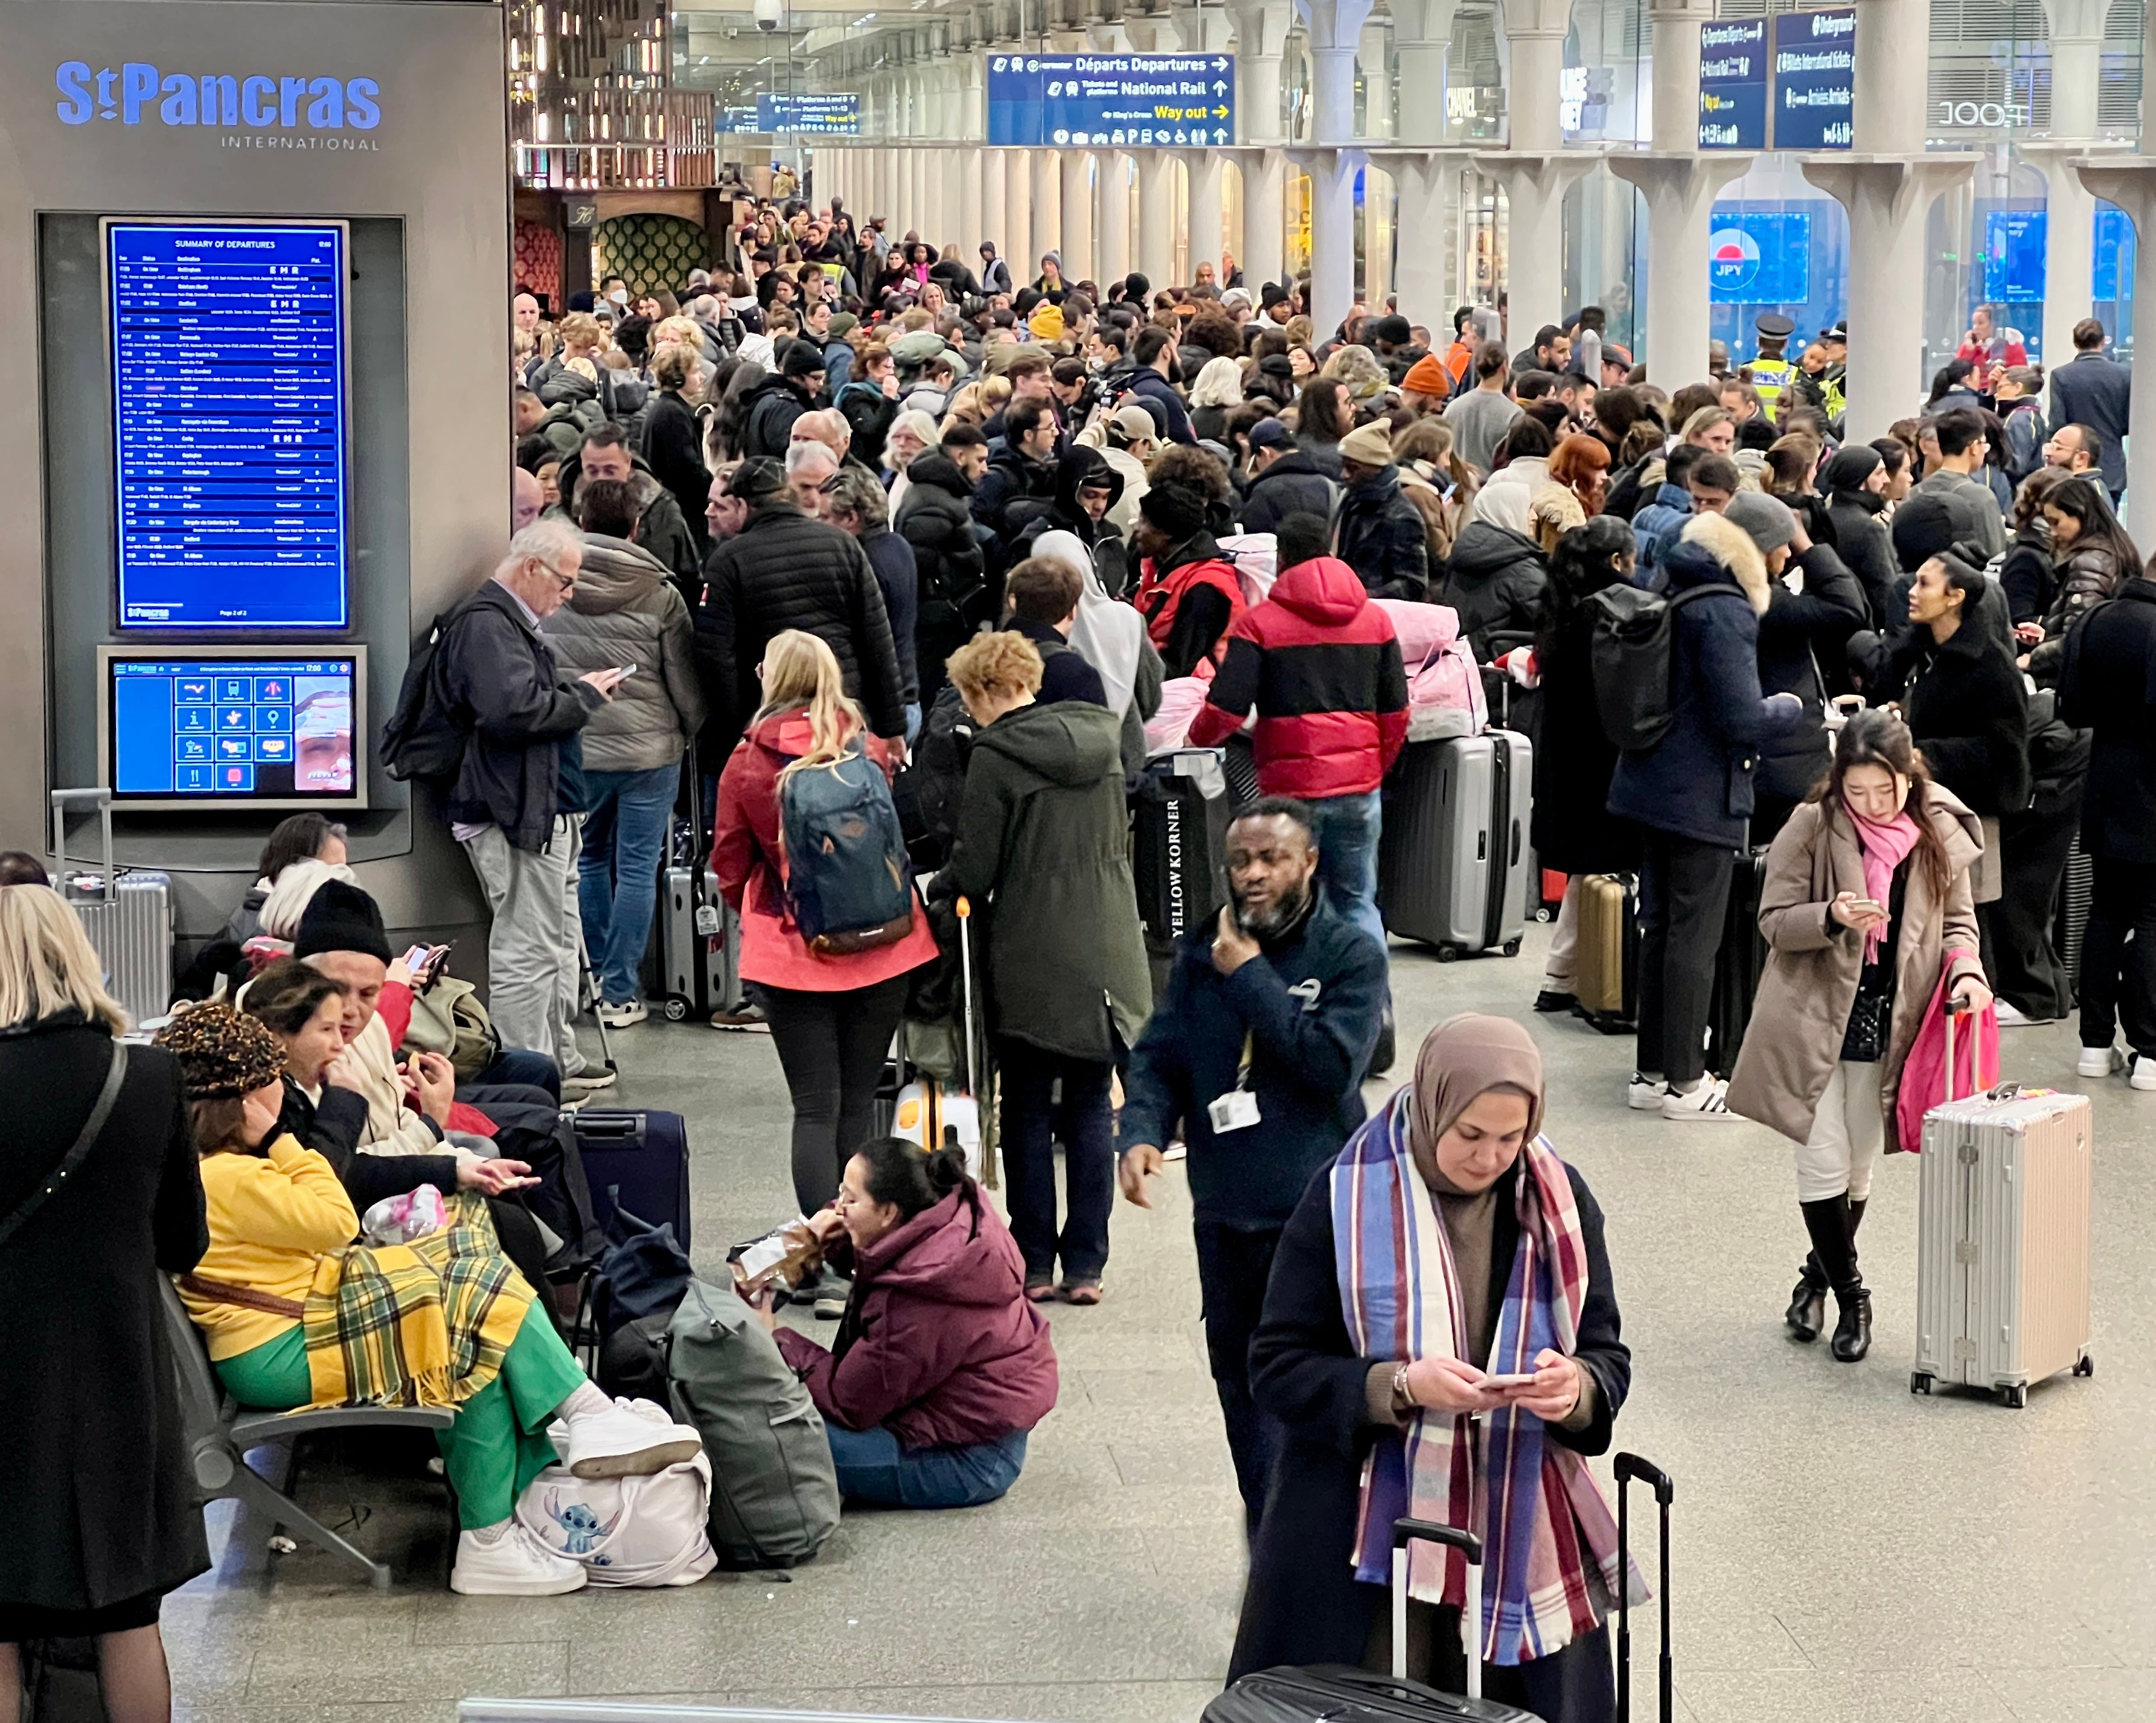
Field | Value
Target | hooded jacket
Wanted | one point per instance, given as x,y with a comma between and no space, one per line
1504,498
1322,666
1290,485
1014,492
1861,538
516,707
1696,782
1968,709
951,577
1065,513
1308,1007
624,611
1814,964
660,527
674,450
938,1344
1659,525
1799,633
2107,686
784,570
1379,534
1043,843
1495,579
773,405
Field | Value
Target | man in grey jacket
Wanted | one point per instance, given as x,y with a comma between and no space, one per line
1974,508
626,614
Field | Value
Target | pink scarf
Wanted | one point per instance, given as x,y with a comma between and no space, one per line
1884,845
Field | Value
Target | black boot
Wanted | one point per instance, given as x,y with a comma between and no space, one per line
1852,1333
1807,1312
1832,1263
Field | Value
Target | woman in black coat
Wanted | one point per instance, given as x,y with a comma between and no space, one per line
1467,1127
1855,481
674,442
1574,832
100,1507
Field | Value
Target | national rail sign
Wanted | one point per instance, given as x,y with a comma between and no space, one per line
1108,100
1732,84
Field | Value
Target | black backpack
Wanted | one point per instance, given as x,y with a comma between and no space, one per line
1633,655
424,738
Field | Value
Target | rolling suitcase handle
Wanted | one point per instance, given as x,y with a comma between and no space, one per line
1630,1467
1406,1532
61,799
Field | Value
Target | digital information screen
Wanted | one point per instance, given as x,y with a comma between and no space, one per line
228,347
1179,101
838,112
276,729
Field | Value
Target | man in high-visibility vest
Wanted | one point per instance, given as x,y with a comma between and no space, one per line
1771,372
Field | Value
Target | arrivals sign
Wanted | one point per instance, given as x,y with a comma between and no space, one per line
1732,84
839,112
1156,100
1815,80
1806,81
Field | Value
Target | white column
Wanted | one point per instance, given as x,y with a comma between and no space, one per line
992,201
1047,209
1156,217
2076,34
1265,215
1334,28
1079,256
1377,81
1018,216
1207,235
1261,36
1427,188
1422,31
1113,243
1534,72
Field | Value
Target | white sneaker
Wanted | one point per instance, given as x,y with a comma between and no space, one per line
2100,1062
619,1443
2144,1074
623,1017
1707,1098
1645,1094
589,1081
514,1564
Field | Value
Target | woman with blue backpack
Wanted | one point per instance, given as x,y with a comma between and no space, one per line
807,849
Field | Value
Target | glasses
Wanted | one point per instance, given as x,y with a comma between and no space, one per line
567,582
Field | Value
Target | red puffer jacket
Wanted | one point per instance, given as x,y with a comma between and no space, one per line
1322,666
938,1343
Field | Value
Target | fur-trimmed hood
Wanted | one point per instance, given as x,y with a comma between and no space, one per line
1729,545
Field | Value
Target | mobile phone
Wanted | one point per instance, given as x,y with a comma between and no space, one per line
415,960
625,671
1508,1382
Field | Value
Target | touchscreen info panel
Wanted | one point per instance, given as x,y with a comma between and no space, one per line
254,730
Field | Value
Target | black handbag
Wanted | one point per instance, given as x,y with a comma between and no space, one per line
1864,1041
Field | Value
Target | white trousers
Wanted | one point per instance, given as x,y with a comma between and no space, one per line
1561,969
1847,1134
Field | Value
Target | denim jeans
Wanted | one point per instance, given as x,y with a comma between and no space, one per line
873,1468
1348,828
626,826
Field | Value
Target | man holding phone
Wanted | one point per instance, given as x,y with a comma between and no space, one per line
1256,1053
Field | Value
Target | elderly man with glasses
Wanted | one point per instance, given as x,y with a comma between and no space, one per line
517,803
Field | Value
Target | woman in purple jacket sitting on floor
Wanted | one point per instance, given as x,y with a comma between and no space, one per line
940,1367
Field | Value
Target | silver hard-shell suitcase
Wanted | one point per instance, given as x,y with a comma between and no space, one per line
2002,1241
698,947
129,918
1453,860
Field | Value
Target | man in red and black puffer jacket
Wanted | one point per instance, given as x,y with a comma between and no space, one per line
1322,665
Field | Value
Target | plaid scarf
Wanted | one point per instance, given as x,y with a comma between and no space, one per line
1542,1518
423,1324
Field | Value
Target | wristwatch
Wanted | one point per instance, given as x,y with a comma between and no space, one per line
1404,1402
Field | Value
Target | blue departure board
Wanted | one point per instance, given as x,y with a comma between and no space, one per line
228,347
1171,101
254,728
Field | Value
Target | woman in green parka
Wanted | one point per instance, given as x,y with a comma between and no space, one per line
1043,851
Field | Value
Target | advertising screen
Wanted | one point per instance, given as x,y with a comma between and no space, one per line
1172,100
1732,84
229,416
1815,80
272,728
1759,258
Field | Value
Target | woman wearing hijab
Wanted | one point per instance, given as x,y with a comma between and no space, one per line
1509,1374
1866,895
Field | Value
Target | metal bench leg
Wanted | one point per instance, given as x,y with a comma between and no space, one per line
250,1487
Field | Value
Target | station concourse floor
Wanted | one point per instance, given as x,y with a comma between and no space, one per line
1845,1552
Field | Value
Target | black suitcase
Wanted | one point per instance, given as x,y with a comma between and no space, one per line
1180,811
636,1160
1738,965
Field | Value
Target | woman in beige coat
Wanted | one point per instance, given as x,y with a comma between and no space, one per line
1866,896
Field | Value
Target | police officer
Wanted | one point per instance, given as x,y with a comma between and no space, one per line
1834,381
1772,373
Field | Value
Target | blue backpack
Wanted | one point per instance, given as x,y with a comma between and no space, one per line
848,883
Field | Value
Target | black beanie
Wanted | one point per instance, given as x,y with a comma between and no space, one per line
803,359
1175,508
340,918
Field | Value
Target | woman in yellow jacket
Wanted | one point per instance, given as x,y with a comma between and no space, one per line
297,1314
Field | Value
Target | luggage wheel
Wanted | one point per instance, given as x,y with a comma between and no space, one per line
676,1010
1447,954
1919,1384
2014,1394
1512,947
1544,915
2084,1366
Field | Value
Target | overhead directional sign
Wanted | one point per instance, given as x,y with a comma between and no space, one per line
1137,101
1815,80
1732,84
836,111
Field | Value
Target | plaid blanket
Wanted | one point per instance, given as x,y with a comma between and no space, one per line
423,1324
1542,1519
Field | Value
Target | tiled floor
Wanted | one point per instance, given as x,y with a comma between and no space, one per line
1845,1552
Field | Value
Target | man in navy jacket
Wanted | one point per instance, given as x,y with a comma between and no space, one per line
1257,1051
